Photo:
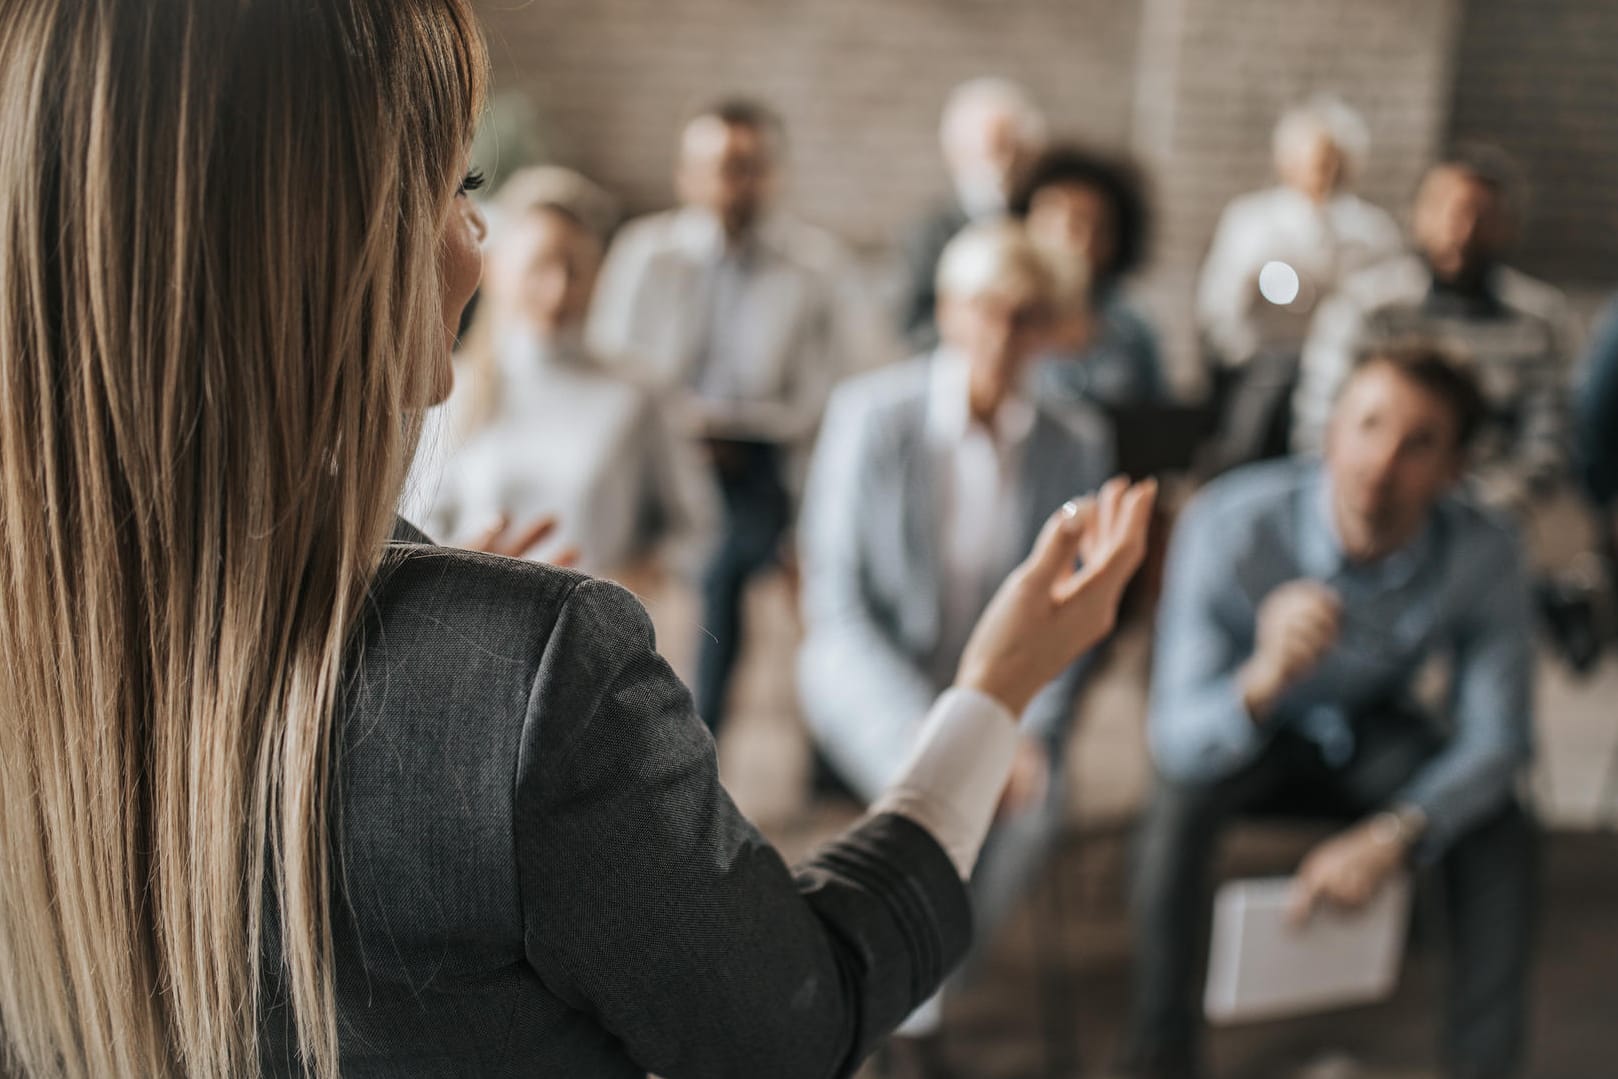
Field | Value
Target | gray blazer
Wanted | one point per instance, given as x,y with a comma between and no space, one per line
540,874
868,669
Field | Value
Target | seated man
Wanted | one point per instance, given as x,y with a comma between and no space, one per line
731,310
1301,600
990,130
930,481
1455,288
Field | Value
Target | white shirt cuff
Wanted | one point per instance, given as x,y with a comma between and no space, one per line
953,782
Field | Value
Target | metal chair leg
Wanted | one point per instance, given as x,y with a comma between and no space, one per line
1059,1012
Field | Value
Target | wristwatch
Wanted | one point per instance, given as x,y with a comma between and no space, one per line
1404,825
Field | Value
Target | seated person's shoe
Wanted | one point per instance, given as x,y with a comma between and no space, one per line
1568,610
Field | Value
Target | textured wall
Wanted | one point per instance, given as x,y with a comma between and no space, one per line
860,83
1540,78
1215,74
1192,86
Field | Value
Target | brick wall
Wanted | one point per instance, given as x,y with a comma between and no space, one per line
1540,79
1214,75
859,82
1192,86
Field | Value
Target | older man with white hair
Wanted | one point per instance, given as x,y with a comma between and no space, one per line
990,131
930,481
1275,256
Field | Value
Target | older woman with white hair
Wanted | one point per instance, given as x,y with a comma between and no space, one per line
1275,255
927,485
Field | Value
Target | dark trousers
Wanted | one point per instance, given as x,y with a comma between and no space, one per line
1489,879
757,510
1255,411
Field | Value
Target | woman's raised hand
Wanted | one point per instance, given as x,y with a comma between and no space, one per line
503,538
1047,612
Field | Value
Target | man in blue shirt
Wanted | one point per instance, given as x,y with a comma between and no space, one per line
1302,598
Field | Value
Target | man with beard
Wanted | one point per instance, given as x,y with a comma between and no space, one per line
1302,598
1454,287
730,310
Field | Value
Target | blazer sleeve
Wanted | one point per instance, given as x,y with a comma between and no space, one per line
652,904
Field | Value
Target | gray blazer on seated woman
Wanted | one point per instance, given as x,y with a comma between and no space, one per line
284,796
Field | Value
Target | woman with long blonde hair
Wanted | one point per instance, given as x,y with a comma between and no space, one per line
282,795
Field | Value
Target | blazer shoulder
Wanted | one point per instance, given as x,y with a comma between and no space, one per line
464,604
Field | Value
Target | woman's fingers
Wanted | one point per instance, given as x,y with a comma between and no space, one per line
536,532
1122,544
1058,544
499,538
488,540
1107,503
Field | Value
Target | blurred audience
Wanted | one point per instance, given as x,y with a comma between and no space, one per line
1301,600
536,427
730,308
1455,288
1276,255
931,479
990,131
1089,215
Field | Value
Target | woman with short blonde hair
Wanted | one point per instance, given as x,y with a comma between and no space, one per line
280,794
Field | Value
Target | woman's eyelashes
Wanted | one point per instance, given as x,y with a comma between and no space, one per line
475,180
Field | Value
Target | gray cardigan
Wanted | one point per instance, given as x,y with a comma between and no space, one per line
540,874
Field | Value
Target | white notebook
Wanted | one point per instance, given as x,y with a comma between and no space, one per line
1261,967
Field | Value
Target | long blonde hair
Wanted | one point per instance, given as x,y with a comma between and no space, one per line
219,310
